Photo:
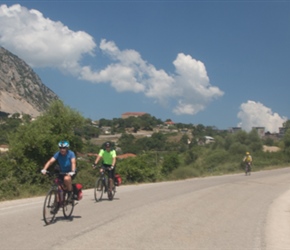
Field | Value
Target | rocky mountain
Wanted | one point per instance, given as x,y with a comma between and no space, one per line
21,90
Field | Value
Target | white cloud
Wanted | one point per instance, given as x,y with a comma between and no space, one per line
189,87
121,77
255,114
42,42
194,89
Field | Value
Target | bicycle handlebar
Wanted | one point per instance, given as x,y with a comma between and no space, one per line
102,166
55,173
95,166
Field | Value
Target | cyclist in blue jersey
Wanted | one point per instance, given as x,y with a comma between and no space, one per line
67,163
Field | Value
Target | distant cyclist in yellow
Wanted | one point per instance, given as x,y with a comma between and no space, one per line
248,160
109,162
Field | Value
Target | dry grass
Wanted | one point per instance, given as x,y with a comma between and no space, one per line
270,148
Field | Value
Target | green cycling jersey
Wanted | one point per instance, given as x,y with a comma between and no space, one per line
107,156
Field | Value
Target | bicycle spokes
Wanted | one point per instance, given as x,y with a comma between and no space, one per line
68,205
99,189
50,207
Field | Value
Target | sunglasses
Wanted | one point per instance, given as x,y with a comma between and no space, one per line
62,147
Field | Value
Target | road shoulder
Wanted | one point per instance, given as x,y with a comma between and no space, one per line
278,223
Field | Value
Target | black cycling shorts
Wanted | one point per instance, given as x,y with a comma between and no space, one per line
61,176
111,173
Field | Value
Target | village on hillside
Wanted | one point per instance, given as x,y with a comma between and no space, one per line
168,126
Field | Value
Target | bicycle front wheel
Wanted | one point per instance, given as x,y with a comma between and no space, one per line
99,189
246,169
112,193
50,206
68,206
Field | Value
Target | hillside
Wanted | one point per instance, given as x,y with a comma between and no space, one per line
21,90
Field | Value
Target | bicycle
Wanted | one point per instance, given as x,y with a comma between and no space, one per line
102,185
248,168
57,197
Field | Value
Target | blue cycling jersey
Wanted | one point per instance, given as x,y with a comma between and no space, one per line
64,161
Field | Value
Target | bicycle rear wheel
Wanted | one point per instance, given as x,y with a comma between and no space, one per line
112,193
50,206
99,190
68,205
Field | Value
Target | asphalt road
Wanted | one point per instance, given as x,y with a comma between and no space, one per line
216,213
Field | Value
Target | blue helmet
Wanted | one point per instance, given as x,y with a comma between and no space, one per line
63,144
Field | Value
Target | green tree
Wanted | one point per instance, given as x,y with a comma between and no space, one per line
219,142
198,131
184,139
139,169
269,142
8,126
190,157
136,126
34,143
238,149
171,162
241,137
26,118
126,142
254,141
286,124
286,141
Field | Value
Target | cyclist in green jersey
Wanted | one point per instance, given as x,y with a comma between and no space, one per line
109,162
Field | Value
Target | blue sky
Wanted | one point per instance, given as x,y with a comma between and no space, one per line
216,63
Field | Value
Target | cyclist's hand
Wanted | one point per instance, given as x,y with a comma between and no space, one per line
43,171
94,165
112,167
71,173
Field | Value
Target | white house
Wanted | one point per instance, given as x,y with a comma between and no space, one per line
208,139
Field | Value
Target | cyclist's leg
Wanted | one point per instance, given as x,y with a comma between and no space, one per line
111,175
68,182
108,174
59,187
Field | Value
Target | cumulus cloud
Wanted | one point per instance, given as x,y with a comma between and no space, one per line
192,85
255,114
189,88
42,42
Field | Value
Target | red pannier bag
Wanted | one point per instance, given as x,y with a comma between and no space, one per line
118,180
77,189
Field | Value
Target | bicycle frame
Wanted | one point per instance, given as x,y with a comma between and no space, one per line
102,185
104,175
59,186
57,197
105,179
248,168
